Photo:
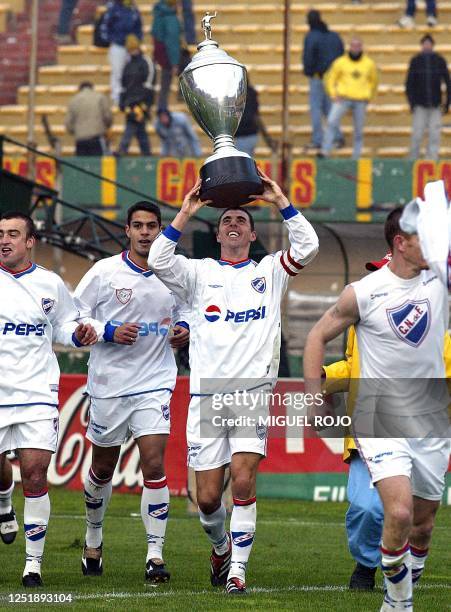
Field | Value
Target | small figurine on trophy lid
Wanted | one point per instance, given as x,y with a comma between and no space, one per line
214,88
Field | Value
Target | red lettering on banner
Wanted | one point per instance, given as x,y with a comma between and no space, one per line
303,183
190,173
45,168
444,172
422,173
168,180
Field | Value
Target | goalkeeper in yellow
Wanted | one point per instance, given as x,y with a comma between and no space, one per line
365,515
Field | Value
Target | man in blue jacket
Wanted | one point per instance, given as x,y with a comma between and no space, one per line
166,44
321,48
121,19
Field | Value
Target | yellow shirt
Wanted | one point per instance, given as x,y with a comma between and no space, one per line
356,80
339,374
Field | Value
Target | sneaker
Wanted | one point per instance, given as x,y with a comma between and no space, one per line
63,39
91,561
8,527
406,21
340,143
156,571
220,565
32,580
431,21
362,578
235,586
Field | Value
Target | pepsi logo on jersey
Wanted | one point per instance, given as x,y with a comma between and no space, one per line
24,329
213,313
152,327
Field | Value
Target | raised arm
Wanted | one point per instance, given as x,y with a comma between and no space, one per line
177,272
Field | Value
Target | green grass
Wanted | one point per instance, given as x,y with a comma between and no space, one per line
300,561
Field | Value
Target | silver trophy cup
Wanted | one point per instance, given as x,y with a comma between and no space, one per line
214,88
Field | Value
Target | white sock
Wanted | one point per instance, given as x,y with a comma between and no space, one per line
214,526
154,513
97,496
397,569
242,527
419,556
35,518
6,500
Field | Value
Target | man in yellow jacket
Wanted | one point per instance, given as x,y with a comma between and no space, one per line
365,515
351,82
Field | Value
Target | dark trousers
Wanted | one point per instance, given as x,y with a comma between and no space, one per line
67,8
431,8
138,129
90,146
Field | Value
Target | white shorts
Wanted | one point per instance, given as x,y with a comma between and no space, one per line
34,434
113,420
207,453
423,460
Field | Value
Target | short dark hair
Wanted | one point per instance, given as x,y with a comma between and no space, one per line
85,85
251,219
429,38
392,227
146,206
15,214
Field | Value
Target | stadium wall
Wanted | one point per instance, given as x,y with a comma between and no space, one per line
306,467
327,190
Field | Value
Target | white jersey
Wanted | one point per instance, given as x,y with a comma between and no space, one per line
235,307
402,325
36,310
400,336
116,291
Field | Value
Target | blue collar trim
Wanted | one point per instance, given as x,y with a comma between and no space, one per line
133,266
28,270
240,264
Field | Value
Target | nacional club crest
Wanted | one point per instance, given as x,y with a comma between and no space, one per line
165,412
411,321
47,305
259,284
124,295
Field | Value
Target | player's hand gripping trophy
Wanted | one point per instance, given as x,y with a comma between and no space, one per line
214,87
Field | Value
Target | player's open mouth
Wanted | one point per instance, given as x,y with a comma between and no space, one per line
6,250
233,234
145,242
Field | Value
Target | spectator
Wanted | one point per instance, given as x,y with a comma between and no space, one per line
121,19
251,124
321,48
189,28
178,138
63,36
427,71
88,119
408,21
138,80
351,82
166,43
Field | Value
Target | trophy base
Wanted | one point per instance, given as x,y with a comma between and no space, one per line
229,181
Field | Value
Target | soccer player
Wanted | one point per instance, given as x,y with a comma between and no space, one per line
235,334
365,515
36,309
401,316
130,386
8,520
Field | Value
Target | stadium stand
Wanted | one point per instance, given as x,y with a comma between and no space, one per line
251,32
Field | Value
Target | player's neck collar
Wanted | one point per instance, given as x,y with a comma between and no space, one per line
234,264
18,273
134,266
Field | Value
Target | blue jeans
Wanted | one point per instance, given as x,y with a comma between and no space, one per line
138,129
188,22
337,111
430,8
247,143
319,109
365,515
67,8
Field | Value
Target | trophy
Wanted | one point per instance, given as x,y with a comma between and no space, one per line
214,88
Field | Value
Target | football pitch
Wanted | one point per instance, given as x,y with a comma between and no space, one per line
299,561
